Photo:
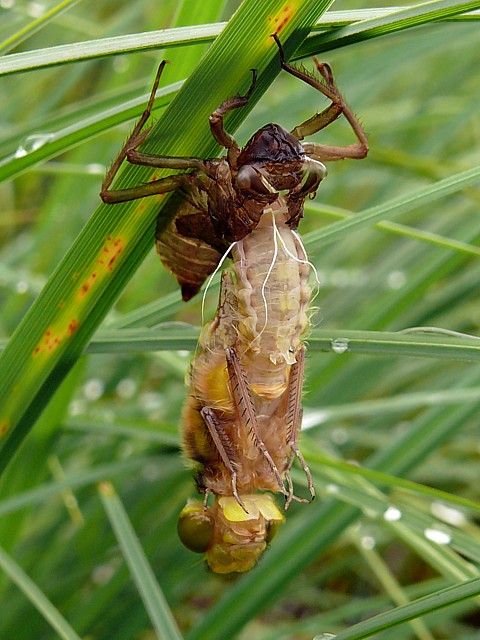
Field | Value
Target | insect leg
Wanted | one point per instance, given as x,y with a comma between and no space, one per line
329,89
224,448
294,421
216,122
153,188
136,138
246,411
129,153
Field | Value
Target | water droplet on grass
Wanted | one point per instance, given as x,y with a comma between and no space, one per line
339,345
32,143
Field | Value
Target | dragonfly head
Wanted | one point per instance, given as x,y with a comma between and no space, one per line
276,155
232,539
271,143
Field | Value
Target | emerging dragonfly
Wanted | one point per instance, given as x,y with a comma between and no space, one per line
243,414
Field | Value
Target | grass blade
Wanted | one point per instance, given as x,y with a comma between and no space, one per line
37,597
422,606
404,18
149,589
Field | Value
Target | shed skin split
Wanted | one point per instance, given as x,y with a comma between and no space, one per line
243,413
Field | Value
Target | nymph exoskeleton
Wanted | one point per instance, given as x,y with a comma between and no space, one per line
243,414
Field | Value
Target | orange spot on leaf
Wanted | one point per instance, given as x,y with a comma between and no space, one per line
4,426
72,326
109,254
49,342
283,17
141,206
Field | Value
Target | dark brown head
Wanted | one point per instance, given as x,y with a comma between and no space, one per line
271,153
271,143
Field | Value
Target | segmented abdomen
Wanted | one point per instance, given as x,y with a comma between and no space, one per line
273,294
262,315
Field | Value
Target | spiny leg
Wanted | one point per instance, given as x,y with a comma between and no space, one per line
129,153
246,411
153,188
135,138
224,448
319,121
216,122
294,422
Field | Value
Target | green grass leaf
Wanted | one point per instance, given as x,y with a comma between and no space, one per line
152,596
37,597
434,601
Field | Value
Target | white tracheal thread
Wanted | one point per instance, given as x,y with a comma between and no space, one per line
217,269
314,269
277,234
270,269
305,261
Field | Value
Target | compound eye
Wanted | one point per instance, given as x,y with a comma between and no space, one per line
249,179
195,528
272,530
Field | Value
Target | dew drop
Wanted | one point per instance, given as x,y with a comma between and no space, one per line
368,542
339,435
77,407
21,286
314,418
126,388
35,9
95,168
93,389
152,401
448,514
332,488
103,573
325,636
339,345
437,535
396,279
392,514
32,143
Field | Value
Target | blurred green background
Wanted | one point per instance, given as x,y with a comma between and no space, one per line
417,93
